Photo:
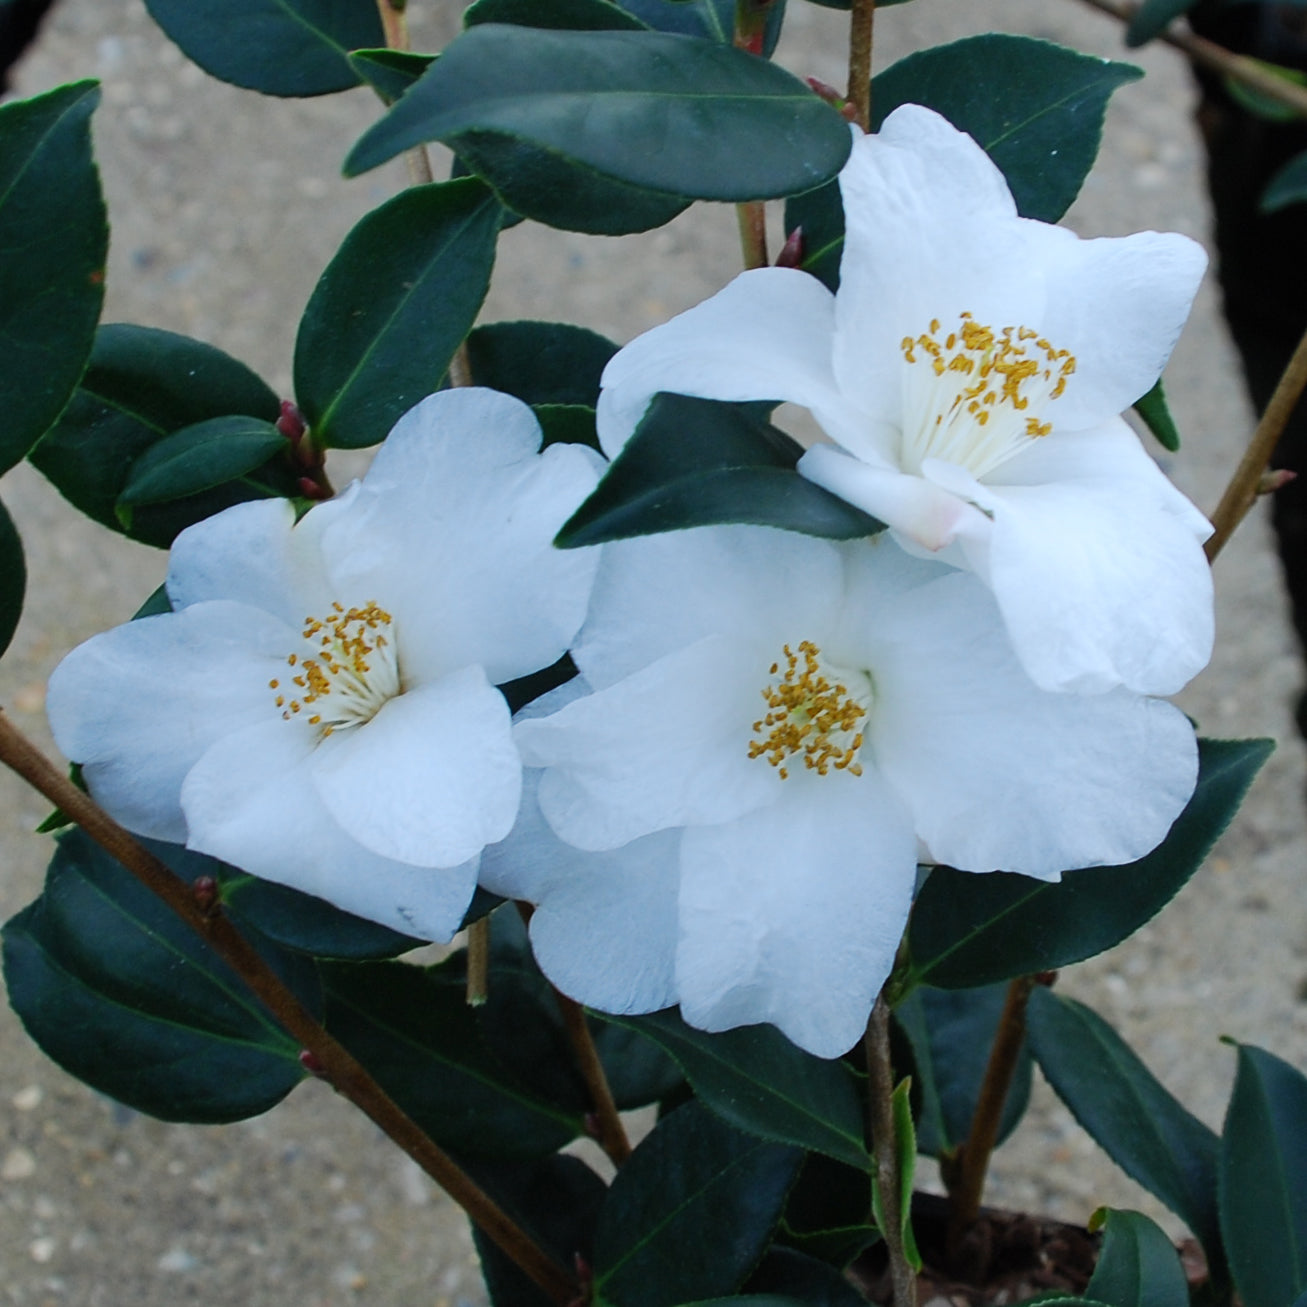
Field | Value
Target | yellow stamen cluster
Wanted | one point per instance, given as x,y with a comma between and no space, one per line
809,715
343,643
982,377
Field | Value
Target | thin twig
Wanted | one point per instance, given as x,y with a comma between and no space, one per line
394,25
973,1160
611,1133
478,962
326,1057
884,1144
861,26
1245,484
753,233
1210,55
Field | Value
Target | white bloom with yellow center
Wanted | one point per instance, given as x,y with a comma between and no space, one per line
971,372
320,707
726,810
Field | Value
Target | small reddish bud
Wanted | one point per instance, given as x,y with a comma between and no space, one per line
586,1276
309,1061
204,889
1046,978
827,92
291,423
792,252
310,489
1276,479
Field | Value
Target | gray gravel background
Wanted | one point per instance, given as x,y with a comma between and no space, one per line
225,208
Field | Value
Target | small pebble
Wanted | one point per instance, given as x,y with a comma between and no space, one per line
27,1100
19,1164
41,1250
177,1260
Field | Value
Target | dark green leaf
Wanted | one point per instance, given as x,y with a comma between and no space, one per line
952,1031
747,1300
540,362
654,111
1138,1265
53,239
560,15
1127,1111
389,72
968,930
690,1213
804,1279
200,457
1156,414
828,1212
122,994
557,1201
141,386
756,1079
1152,17
279,47
1034,107
13,578
392,307
416,1033
711,20
1263,1180
696,462
568,424
1288,186
1256,102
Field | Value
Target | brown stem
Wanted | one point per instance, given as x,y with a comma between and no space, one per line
394,25
860,38
884,1144
328,1058
1246,483
973,1158
1217,57
611,1132
478,962
753,233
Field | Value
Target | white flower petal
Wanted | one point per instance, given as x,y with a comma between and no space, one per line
250,801
1000,775
667,746
453,534
656,594
767,335
138,705
792,914
1118,304
431,779
605,927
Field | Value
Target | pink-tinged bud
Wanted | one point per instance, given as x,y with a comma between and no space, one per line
310,489
1046,978
204,889
792,252
827,92
585,1274
1275,479
291,423
310,1062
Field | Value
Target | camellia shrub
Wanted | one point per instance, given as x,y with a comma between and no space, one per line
762,785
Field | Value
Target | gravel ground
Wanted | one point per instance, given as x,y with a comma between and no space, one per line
225,208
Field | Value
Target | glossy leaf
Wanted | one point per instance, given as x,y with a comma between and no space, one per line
391,309
122,994
53,241
557,15
711,20
690,1213
696,462
557,1201
1288,186
968,930
200,457
1130,1115
389,72
1035,108
654,111
1152,17
952,1031
1156,414
141,386
828,1211
1263,1180
279,47
540,362
13,578
804,1279
1137,1266
757,1080
747,1300
416,1033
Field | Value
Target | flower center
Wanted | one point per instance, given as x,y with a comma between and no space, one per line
978,396
812,713
351,672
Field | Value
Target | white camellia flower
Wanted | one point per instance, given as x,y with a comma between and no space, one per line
972,371
320,707
772,730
